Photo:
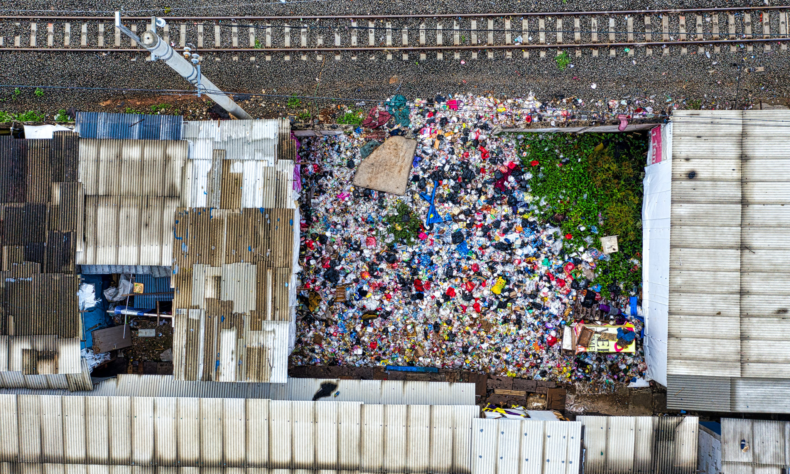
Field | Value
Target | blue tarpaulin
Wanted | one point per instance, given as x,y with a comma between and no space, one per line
94,317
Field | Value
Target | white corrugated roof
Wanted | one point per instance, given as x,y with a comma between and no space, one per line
241,139
754,445
502,446
252,433
640,444
729,282
390,392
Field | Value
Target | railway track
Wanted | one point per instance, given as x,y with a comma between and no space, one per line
406,37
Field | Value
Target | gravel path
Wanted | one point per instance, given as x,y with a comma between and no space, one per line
668,80
338,7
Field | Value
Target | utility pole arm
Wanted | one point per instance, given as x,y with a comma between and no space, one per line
161,50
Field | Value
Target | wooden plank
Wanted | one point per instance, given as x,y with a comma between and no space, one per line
556,399
110,339
511,393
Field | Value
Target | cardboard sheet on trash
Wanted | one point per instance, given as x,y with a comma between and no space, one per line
604,340
387,168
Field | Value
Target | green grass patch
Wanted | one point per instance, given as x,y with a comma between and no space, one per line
562,60
294,102
405,225
352,117
588,183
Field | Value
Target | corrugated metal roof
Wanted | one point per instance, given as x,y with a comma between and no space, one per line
233,303
128,126
504,446
622,445
18,381
132,230
754,445
132,167
242,184
152,284
730,219
692,392
254,433
132,189
152,270
40,209
242,139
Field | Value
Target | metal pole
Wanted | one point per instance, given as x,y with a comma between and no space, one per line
161,50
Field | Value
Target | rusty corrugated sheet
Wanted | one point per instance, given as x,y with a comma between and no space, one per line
244,257
45,304
286,146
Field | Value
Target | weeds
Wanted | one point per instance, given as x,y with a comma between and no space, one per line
405,225
159,108
590,186
294,102
257,44
562,60
62,116
29,116
39,92
352,117
694,104
132,110
5,117
304,116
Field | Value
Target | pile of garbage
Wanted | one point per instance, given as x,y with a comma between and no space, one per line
478,284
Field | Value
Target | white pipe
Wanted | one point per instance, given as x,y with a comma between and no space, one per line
161,50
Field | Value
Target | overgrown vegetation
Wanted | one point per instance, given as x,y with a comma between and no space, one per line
562,60
405,225
352,117
29,116
62,116
590,186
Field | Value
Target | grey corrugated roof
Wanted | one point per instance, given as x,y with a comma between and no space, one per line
729,286
640,445
128,126
252,433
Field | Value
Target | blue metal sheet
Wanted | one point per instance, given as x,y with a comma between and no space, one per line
129,126
152,285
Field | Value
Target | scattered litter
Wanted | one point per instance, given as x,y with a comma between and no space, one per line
458,271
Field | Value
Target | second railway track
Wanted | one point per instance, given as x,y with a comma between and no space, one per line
405,37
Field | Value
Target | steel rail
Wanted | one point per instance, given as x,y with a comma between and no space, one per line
416,48
388,16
